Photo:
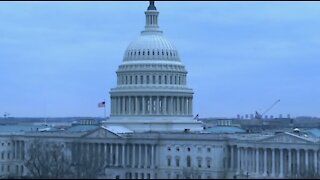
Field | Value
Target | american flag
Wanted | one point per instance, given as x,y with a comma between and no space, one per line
102,104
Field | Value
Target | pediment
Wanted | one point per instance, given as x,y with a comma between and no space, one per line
101,133
286,138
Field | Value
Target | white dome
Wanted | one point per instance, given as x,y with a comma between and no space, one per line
151,46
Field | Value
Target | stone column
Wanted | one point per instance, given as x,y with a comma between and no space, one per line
145,156
130,106
123,155
281,163
143,105
150,105
289,162
116,154
136,105
191,106
105,153
245,159
133,155
306,159
298,161
265,162
238,160
152,156
231,158
123,105
157,105
164,105
111,154
171,106
178,105
257,161
273,165
315,160
139,156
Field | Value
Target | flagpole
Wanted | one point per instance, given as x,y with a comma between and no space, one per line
104,109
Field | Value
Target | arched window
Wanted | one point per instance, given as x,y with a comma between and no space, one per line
136,80
141,79
148,80
165,79
154,79
160,80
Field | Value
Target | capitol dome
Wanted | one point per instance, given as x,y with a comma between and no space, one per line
152,92
151,46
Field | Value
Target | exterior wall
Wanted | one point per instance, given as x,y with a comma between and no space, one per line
140,156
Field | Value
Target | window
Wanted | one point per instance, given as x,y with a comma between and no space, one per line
199,149
2,155
8,168
208,163
199,163
148,53
188,161
178,149
189,149
160,80
148,80
169,149
141,79
169,161
2,168
8,155
130,79
165,79
209,149
175,79
143,53
136,79
170,79
177,162
177,176
152,52
154,79
169,175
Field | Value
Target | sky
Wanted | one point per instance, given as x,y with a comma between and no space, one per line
58,59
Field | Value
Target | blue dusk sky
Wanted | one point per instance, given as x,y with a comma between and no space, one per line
58,59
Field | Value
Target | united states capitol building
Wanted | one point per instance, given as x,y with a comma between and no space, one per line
152,132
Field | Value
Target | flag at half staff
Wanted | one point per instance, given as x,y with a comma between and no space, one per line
102,104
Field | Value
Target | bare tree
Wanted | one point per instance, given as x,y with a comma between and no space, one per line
47,160
87,163
190,173
305,174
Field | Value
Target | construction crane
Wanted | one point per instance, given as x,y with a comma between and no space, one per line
259,116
